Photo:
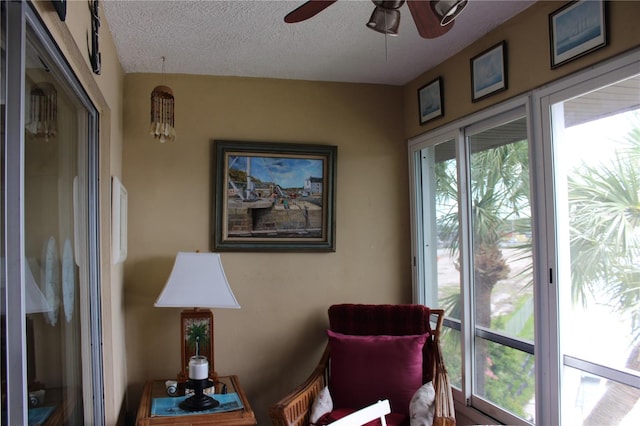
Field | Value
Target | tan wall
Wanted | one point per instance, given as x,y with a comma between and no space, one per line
528,61
274,341
105,91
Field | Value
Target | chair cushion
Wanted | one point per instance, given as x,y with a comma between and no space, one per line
367,320
366,369
392,419
386,319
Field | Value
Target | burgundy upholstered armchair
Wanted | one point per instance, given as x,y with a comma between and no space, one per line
363,334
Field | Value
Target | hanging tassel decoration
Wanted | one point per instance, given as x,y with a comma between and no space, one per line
162,114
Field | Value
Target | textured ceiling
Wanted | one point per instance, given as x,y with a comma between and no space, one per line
249,38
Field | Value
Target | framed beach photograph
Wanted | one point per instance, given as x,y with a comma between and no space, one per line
576,29
489,72
273,196
430,101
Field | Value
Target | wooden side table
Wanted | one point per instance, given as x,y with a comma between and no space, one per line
156,389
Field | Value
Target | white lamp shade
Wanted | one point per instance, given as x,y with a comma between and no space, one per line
197,281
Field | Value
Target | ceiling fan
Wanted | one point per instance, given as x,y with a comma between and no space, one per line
432,18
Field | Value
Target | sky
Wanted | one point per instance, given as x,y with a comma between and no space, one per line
286,172
595,141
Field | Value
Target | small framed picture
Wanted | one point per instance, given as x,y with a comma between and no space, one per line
430,101
577,29
489,72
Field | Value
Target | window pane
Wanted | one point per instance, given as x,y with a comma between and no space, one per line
441,236
596,140
450,342
447,228
501,227
582,392
502,260
508,379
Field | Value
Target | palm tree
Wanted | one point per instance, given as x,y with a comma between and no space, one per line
197,336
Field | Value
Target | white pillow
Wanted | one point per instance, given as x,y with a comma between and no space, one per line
321,405
422,407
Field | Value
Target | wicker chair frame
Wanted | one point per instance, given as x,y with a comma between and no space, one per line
294,409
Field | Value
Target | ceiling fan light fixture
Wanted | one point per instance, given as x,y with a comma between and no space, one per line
448,10
386,21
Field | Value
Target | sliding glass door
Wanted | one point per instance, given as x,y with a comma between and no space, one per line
474,208
55,122
440,216
501,264
52,370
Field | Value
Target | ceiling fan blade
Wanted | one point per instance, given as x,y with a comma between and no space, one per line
307,10
427,22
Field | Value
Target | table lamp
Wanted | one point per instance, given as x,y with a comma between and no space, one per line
197,281
34,302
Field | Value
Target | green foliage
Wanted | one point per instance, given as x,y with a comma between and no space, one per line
198,332
450,343
510,380
499,190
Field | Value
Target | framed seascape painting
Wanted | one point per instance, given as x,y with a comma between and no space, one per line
430,101
489,72
273,196
576,29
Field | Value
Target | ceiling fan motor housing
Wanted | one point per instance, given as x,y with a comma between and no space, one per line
389,4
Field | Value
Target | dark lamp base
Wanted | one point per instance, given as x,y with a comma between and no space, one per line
199,401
